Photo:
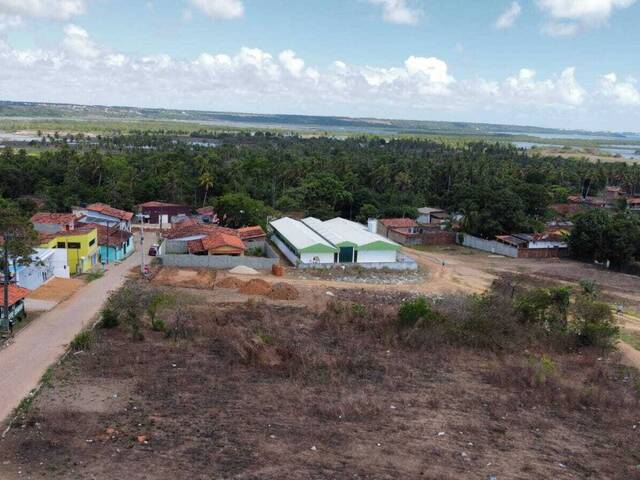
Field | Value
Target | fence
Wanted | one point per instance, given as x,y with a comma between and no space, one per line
489,246
220,262
434,237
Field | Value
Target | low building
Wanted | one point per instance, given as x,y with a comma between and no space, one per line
106,215
430,215
114,244
335,241
16,303
219,243
253,237
80,244
634,204
45,222
536,245
161,212
407,231
44,264
207,215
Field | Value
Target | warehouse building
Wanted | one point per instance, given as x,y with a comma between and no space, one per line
335,241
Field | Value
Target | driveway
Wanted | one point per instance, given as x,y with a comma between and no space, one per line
42,342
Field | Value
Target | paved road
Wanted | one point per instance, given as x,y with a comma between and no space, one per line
42,342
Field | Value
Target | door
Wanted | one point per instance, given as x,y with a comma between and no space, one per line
346,255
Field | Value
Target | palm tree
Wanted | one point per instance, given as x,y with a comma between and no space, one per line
206,182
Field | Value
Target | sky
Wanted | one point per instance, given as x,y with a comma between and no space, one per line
553,63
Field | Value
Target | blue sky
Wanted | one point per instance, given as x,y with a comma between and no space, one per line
562,63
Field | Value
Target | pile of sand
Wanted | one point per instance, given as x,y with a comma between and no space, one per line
242,270
230,282
256,287
283,291
186,277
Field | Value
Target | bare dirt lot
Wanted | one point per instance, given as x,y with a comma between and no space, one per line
266,389
57,289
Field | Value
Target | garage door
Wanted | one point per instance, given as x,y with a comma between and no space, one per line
346,255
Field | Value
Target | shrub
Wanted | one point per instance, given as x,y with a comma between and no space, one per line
158,325
417,312
82,341
110,318
358,310
595,324
132,319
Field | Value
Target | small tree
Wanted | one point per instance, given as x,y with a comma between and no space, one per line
17,239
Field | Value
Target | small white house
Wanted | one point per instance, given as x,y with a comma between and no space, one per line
105,215
45,264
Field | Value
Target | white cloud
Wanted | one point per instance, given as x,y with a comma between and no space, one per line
561,91
398,11
509,16
623,93
293,64
52,9
77,42
9,21
571,16
220,9
559,29
254,80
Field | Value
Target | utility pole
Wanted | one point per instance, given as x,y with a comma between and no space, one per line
5,310
141,218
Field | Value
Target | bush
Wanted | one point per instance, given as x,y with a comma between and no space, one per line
417,312
82,341
158,325
110,318
595,324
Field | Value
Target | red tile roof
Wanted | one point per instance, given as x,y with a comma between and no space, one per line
53,218
215,241
108,236
110,211
205,211
161,204
398,222
180,231
15,294
247,233
566,208
634,201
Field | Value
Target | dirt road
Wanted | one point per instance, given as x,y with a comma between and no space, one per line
41,343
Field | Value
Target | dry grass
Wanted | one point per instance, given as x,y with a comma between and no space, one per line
266,391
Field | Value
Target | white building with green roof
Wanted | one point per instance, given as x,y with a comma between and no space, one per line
335,241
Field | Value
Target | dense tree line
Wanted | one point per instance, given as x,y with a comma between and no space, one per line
497,187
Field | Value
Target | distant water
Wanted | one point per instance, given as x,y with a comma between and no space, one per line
624,151
578,136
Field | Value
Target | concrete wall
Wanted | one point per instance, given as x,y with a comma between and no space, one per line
222,262
489,246
175,246
316,257
376,256
59,263
403,263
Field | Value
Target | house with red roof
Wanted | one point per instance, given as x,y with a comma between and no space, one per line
45,222
219,243
161,212
16,302
106,215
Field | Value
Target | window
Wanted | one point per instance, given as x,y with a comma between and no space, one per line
92,241
62,245
73,245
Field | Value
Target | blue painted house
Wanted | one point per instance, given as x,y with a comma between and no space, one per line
114,244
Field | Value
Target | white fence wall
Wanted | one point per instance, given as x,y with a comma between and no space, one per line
489,246
222,262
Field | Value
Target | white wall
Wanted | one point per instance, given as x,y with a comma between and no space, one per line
544,244
321,257
376,256
59,262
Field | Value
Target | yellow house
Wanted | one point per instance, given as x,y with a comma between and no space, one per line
81,245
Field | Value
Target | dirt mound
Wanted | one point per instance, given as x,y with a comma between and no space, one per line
256,286
187,278
243,270
283,291
230,282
